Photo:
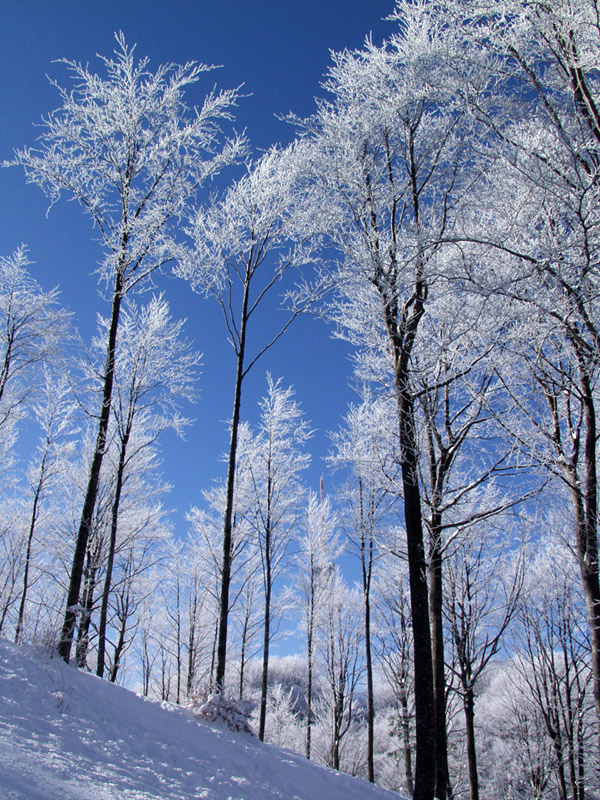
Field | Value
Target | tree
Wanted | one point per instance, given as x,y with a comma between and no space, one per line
340,637
387,158
155,369
520,758
127,149
32,332
318,551
530,79
553,658
394,646
254,236
367,447
482,599
274,462
54,412
467,467
242,561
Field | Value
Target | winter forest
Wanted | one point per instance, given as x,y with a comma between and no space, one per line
428,618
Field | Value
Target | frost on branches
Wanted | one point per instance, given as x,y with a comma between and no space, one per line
213,706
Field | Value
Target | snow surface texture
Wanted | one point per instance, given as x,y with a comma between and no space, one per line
69,735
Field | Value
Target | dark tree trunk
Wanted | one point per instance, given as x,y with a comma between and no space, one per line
83,634
89,505
338,716
120,646
266,643
32,524
402,319
367,566
585,502
443,789
406,748
114,525
425,769
268,578
228,521
469,709
401,334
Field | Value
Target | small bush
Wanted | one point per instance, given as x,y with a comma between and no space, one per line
213,706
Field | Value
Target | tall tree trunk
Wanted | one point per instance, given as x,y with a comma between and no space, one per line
401,334
89,504
425,764
338,714
228,521
585,501
120,646
267,620
114,525
367,566
83,634
406,748
402,321
265,664
32,524
443,789
469,709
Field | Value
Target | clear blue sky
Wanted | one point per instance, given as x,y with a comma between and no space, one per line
279,50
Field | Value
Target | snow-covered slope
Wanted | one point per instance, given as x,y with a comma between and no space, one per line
66,734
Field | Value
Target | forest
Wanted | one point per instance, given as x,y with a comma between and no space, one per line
440,212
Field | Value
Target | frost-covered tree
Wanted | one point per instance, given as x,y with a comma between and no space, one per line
275,458
366,446
341,664
484,580
393,646
54,412
247,244
127,148
318,550
32,331
155,370
388,157
552,656
242,564
529,78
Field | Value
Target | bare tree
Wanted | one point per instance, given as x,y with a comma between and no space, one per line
530,79
393,645
340,634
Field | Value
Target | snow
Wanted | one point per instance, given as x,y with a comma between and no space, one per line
66,734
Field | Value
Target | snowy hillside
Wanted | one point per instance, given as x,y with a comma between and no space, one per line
66,734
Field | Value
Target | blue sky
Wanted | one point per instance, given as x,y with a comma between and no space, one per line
279,50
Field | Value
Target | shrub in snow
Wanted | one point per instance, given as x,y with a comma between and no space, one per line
213,706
